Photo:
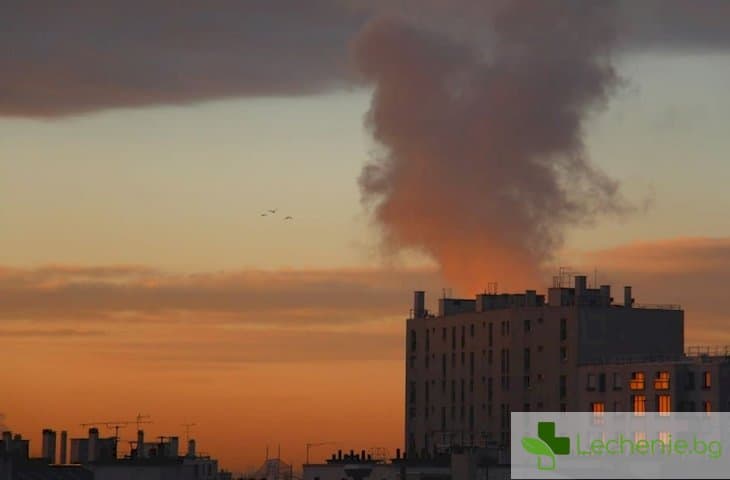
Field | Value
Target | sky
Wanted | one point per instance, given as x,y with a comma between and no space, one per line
137,274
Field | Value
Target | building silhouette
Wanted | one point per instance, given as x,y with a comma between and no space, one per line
476,361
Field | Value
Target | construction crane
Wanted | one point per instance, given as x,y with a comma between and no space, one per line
318,444
187,430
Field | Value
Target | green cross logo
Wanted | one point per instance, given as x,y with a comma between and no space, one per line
546,445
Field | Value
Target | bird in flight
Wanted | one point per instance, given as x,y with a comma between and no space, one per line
288,218
272,211
264,214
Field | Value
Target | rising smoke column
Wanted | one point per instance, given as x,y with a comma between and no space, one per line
482,163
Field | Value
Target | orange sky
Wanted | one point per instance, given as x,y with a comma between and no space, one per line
257,357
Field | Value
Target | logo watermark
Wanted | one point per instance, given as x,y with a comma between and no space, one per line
619,445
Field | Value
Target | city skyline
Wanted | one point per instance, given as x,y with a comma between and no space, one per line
138,275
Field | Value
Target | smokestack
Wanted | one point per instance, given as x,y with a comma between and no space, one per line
580,288
93,443
48,445
419,304
173,446
140,444
191,447
628,299
64,441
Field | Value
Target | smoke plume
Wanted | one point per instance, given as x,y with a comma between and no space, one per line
482,164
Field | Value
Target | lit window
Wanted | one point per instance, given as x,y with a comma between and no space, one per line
707,380
664,405
639,403
661,382
598,407
707,406
637,381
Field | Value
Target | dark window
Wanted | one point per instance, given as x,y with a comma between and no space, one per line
563,354
617,381
563,329
412,396
471,330
491,333
463,335
601,382
526,381
526,407
528,326
427,392
453,391
453,338
489,389
463,391
563,386
471,363
443,334
428,340
527,360
591,382
490,358
413,340
690,383
463,358
443,364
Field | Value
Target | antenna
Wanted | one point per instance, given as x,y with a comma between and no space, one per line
187,430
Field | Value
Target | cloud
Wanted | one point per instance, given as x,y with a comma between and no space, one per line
286,297
693,272
483,164
82,56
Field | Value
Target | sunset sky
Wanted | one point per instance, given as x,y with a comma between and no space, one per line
139,146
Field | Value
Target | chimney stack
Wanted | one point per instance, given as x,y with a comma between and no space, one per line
48,446
140,443
64,441
628,299
419,304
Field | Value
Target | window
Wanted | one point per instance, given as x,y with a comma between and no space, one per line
490,358
563,354
491,333
412,396
664,405
616,406
453,338
463,358
563,407
463,336
453,391
471,363
489,389
563,386
598,408
427,392
526,382
526,407
526,360
428,340
616,381
707,380
528,326
707,406
601,382
504,366
471,330
443,334
413,340
427,361
563,329
637,381
463,391
453,360
639,404
412,362
690,383
661,381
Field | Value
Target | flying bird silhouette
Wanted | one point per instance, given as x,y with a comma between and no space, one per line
288,218
264,214
273,210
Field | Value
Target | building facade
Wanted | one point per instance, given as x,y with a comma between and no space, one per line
478,360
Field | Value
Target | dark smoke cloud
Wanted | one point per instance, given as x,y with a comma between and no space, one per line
483,163
77,56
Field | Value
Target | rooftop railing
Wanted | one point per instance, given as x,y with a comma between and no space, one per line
658,306
708,351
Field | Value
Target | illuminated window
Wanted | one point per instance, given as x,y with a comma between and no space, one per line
639,404
598,407
706,380
664,405
661,382
707,406
637,381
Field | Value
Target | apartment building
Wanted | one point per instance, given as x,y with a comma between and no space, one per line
469,366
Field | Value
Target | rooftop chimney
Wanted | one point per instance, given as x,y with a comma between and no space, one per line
419,304
580,287
64,441
93,443
140,444
48,445
628,300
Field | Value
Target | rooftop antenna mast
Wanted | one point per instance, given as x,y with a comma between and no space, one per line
187,430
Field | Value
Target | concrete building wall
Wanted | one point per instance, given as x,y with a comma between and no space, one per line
466,371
